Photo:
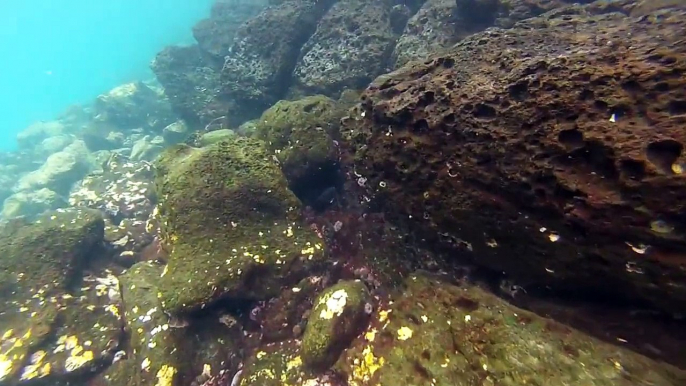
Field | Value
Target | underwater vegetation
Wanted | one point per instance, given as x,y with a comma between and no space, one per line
352,193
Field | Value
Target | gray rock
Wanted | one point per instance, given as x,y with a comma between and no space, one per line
431,30
349,49
216,136
175,132
60,171
37,132
31,203
144,150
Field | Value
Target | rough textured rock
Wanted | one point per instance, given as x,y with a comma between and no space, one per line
166,351
55,327
338,315
37,132
215,34
258,69
31,203
231,224
300,134
60,171
462,335
430,30
132,106
215,136
191,82
551,152
350,47
175,132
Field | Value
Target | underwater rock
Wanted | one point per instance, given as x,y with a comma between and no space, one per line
215,136
175,133
349,48
54,326
455,335
431,30
299,134
258,69
546,161
52,145
131,106
60,171
31,203
231,224
215,34
338,315
164,350
191,82
34,134
145,149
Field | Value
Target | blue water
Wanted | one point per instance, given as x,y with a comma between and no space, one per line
57,53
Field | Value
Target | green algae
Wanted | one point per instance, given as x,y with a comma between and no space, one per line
159,350
337,317
231,223
276,365
447,335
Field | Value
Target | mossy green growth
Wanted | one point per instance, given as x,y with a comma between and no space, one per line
232,224
276,365
161,348
337,317
442,334
301,133
50,252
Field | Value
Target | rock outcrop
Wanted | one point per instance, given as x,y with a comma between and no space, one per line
552,152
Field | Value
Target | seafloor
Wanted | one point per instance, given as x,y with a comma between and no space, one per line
363,192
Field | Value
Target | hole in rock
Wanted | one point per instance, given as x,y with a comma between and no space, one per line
663,154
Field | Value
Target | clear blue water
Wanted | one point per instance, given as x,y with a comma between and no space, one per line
57,53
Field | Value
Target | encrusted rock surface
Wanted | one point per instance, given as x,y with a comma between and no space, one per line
438,333
257,71
551,152
350,47
55,328
231,223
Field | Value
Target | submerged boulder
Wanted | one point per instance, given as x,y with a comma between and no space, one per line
231,223
300,134
56,327
350,47
258,69
453,335
164,350
530,151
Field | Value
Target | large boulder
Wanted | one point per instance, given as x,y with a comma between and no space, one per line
133,106
231,224
433,330
531,152
258,68
164,349
215,34
60,171
350,47
191,82
31,203
56,326
35,133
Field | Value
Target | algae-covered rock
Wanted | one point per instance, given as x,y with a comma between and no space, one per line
300,135
162,348
51,330
231,224
215,136
467,336
49,253
337,317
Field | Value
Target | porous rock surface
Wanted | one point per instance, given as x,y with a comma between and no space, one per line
257,71
351,46
551,152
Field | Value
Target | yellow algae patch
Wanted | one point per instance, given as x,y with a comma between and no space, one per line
5,366
365,369
294,363
79,359
404,333
165,376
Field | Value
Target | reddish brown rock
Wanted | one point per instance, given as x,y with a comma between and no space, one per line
551,152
